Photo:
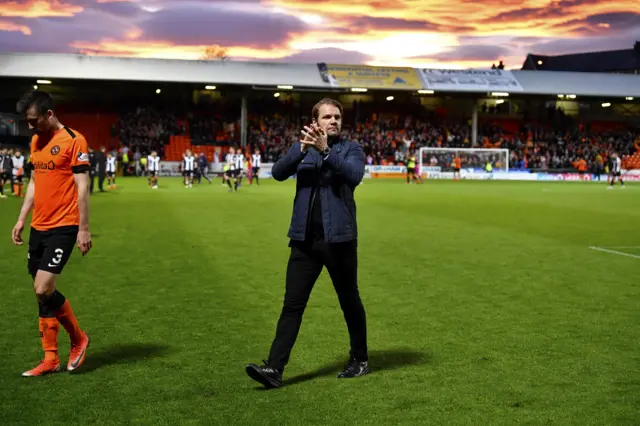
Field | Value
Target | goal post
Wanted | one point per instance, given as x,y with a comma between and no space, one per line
440,162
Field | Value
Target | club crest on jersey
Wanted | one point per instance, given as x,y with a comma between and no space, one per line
83,156
55,150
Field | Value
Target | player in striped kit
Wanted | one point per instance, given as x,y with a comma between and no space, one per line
616,170
231,168
256,160
18,173
188,167
111,171
239,159
153,167
5,170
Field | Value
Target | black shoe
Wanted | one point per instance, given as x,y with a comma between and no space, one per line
268,376
355,368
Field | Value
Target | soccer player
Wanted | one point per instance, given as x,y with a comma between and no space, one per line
256,160
231,168
457,165
6,165
188,167
239,159
58,193
18,173
153,167
111,171
411,167
616,170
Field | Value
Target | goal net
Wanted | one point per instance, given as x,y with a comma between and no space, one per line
440,163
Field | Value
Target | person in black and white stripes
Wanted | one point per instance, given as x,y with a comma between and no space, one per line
615,170
239,160
111,171
256,161
153,168
230,168
188,167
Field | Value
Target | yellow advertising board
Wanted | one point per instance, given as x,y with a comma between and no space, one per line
367,77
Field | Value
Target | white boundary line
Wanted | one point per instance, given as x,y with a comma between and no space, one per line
615,252
624,247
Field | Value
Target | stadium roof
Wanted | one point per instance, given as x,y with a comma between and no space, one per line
583,84
71,66
624,60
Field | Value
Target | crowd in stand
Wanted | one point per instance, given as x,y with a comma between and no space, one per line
147,129
387,139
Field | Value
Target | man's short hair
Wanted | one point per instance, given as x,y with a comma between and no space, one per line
41,101
325,101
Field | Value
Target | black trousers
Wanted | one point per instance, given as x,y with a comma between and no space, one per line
92,178
305,264
102,175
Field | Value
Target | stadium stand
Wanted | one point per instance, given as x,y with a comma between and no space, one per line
612,61
129,113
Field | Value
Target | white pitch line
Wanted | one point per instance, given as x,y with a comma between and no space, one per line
624,247
615,252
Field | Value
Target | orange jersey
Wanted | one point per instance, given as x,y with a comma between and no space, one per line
54,162
458,162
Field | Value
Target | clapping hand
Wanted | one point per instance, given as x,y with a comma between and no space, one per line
314,136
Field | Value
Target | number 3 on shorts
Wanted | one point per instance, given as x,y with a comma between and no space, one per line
57,259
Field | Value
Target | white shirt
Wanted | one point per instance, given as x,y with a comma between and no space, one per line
230,161
153,164
18,163
189,162
255,160
239,161
111,165
617,165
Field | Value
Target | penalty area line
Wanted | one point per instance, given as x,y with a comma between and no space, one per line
621,253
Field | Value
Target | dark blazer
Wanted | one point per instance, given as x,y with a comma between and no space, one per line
101,161
334,179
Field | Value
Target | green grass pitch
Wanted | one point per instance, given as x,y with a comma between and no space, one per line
485,305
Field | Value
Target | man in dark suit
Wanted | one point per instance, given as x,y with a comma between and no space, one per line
92,169
323,233
101,160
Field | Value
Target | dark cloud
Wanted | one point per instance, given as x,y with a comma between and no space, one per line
554,9
56,34
604,23
198,24
125,9
620,21
362,23
585,44
16,42
526,13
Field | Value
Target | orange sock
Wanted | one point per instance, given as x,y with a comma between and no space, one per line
15,189
49,337
69,322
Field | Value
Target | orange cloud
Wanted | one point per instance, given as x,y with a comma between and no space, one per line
38,9
429,33
522,18
12,26
168,50
133,33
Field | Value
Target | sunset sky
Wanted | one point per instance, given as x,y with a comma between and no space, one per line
419,33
